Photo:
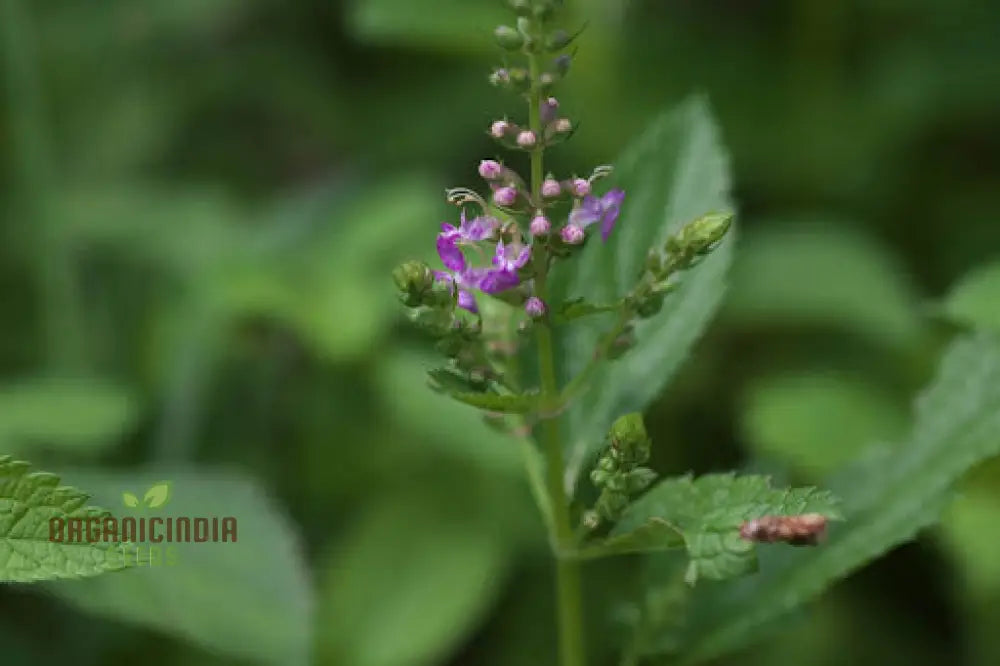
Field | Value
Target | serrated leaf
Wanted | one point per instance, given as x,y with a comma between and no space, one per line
975,300
522,403
709,510
673,173
889,496
130,500
157,495
28,553
250,599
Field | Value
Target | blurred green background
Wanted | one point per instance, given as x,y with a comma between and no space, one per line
202,199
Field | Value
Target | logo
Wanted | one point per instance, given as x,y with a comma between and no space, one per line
145,539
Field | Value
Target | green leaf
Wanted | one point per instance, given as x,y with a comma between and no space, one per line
709,510
250,599
29,501
577,308
408,583
83,414
975,300
522,403
130,500
654,535
157,495
792,272
673,173
817,421
888,496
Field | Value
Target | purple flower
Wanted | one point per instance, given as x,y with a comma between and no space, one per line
551,188
604,210
511,257
540,225
505,196
571,234
581,187
490,169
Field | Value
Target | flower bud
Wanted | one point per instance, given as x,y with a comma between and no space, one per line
571,234
562,126
551,188
700,236
508,38
519,80
561,64
414,279
558,40
490,169
500,77
505,196
540,225
535,307
526,139
548,110
580,187
499,128
546,79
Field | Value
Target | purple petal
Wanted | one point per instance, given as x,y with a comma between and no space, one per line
443,276
608,224
613,198
496,281
522,257
467,301
448,250
587,213
478,229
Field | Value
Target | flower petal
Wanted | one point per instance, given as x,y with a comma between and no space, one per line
608,223
499,280
448,250
588,212
467,301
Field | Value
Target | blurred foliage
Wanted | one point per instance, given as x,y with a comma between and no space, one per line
201,201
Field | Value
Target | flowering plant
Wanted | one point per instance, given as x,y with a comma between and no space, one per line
522,262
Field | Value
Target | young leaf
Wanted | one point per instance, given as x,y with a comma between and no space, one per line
889,498
976,299
673,173
577,308
157,495
709,510
30,550
522,403
654,535
130,500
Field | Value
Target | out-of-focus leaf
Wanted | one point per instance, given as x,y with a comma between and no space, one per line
408,583
673,173
971,531
975,300
818,421
888,498
440,25
75,413
32,547
653,535
250,599
521,403
708,512
814,272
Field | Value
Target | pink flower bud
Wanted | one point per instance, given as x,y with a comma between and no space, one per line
551,188
562,126
581,187
499,128
571,234
535,307
540,225
526,139
505,196
490,169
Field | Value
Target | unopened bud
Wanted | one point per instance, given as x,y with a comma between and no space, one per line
535,307
508,38
561,64
551,188
571,234
490,169
505,196
698,237
526,139
414,279
562,126
548,110
500,77
580,187
540,226
628,436
499,128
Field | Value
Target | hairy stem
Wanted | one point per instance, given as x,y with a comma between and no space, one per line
569,600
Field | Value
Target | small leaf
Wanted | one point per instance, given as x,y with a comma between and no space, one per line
654,535
522,403
157,495
578,307
130,500
447,379
29,549
708,512
975,300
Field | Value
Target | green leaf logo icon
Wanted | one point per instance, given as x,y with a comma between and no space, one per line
157,495
130,500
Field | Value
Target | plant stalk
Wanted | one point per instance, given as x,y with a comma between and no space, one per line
569,601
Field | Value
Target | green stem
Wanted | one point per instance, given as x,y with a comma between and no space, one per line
569,601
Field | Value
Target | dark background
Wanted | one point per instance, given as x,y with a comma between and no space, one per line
202,200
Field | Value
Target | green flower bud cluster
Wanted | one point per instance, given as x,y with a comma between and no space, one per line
417,286
697,239
619,473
